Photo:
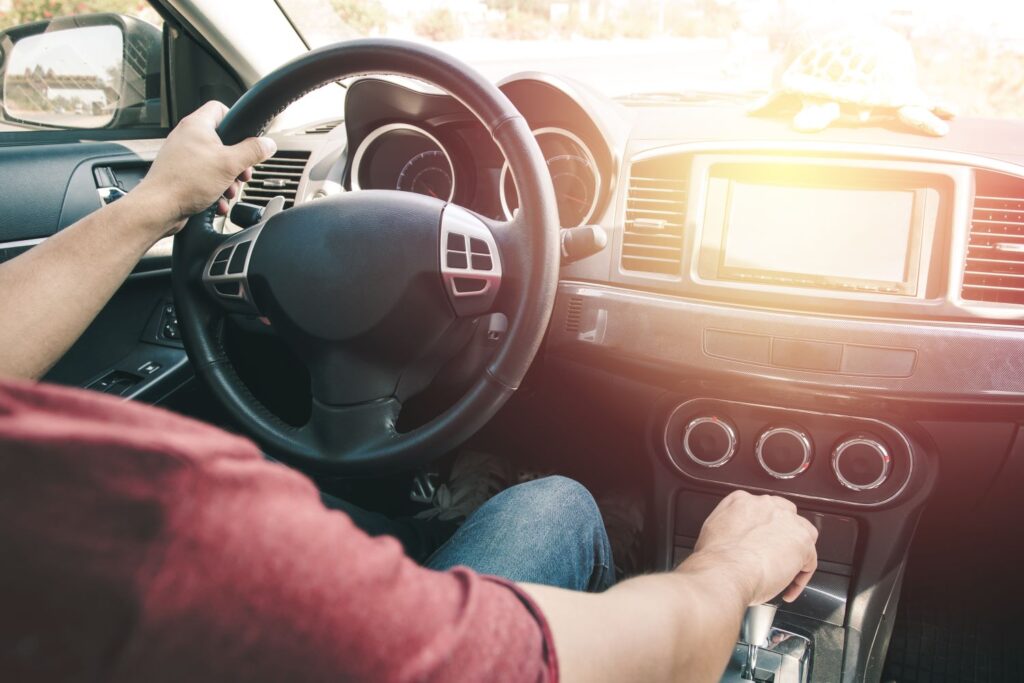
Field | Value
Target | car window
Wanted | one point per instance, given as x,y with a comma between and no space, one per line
79,65
968,57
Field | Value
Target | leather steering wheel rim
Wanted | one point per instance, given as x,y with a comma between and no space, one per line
532,257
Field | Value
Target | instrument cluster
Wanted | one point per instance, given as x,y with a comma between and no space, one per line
402,156
428,143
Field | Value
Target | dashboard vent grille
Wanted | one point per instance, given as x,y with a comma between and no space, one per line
322,128
574,314
994,271
652,240
278,175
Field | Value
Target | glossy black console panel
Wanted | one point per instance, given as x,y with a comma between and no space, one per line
826,435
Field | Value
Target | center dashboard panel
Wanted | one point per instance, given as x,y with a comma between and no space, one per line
882,270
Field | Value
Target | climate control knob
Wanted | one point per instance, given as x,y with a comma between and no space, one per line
710,441
861,462
784,452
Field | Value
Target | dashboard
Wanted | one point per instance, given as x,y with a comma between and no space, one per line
866,258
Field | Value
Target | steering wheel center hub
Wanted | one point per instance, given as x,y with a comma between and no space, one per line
354,277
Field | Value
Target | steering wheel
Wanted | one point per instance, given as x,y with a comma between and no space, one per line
367,287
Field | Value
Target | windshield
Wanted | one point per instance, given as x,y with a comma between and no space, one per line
970,55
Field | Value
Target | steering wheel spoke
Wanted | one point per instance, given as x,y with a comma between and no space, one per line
347,432
471,260
226,272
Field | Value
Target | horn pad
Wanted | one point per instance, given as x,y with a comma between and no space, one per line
353,283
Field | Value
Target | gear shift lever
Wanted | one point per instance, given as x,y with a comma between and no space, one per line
757,626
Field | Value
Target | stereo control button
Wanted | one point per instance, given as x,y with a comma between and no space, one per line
784,452
861,462
710,441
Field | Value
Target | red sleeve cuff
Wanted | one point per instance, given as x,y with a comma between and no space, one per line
550,656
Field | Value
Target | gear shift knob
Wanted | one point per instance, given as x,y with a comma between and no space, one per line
757,624
756,627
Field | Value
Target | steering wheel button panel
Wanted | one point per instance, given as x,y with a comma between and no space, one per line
456,242
457,260
237,264
226,273
472,276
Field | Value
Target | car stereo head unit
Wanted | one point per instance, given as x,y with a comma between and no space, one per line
818,225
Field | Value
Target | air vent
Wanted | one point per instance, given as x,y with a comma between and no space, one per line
574,314
994,271
278,175
322,128
652,241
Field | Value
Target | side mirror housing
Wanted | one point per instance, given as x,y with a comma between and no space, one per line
83,72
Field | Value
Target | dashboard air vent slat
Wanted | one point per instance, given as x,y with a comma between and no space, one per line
994,267
322,128
574,314
279,175
652,240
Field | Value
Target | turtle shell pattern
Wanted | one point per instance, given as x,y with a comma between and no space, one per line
873,68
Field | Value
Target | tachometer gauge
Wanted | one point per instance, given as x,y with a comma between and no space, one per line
404,157
574,174
427,173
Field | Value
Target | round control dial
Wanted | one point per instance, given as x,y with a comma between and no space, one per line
710,441
861,462
784,452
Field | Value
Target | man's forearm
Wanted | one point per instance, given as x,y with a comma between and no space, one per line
666,627
50,294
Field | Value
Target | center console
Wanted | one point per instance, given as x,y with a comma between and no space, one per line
787,318
861,481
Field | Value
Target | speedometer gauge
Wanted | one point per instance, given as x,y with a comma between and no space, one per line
574,188
427,173
574,175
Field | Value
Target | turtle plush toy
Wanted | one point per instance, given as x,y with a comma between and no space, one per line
862,73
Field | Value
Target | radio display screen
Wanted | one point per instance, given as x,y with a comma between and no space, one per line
858,235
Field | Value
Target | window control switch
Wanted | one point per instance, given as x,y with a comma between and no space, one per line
116,382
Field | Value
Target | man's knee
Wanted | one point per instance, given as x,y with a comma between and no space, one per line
561,498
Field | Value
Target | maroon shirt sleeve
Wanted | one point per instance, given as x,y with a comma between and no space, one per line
139,545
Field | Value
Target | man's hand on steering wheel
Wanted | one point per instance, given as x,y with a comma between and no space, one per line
194,169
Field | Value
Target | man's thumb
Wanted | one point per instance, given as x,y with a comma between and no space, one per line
254,150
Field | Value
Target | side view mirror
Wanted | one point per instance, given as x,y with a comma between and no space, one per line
85,72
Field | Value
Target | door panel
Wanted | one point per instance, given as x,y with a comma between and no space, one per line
133,348
35,179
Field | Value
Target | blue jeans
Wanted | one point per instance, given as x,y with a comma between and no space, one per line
547,531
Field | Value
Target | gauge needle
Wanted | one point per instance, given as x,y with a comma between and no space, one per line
428,189
575,199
